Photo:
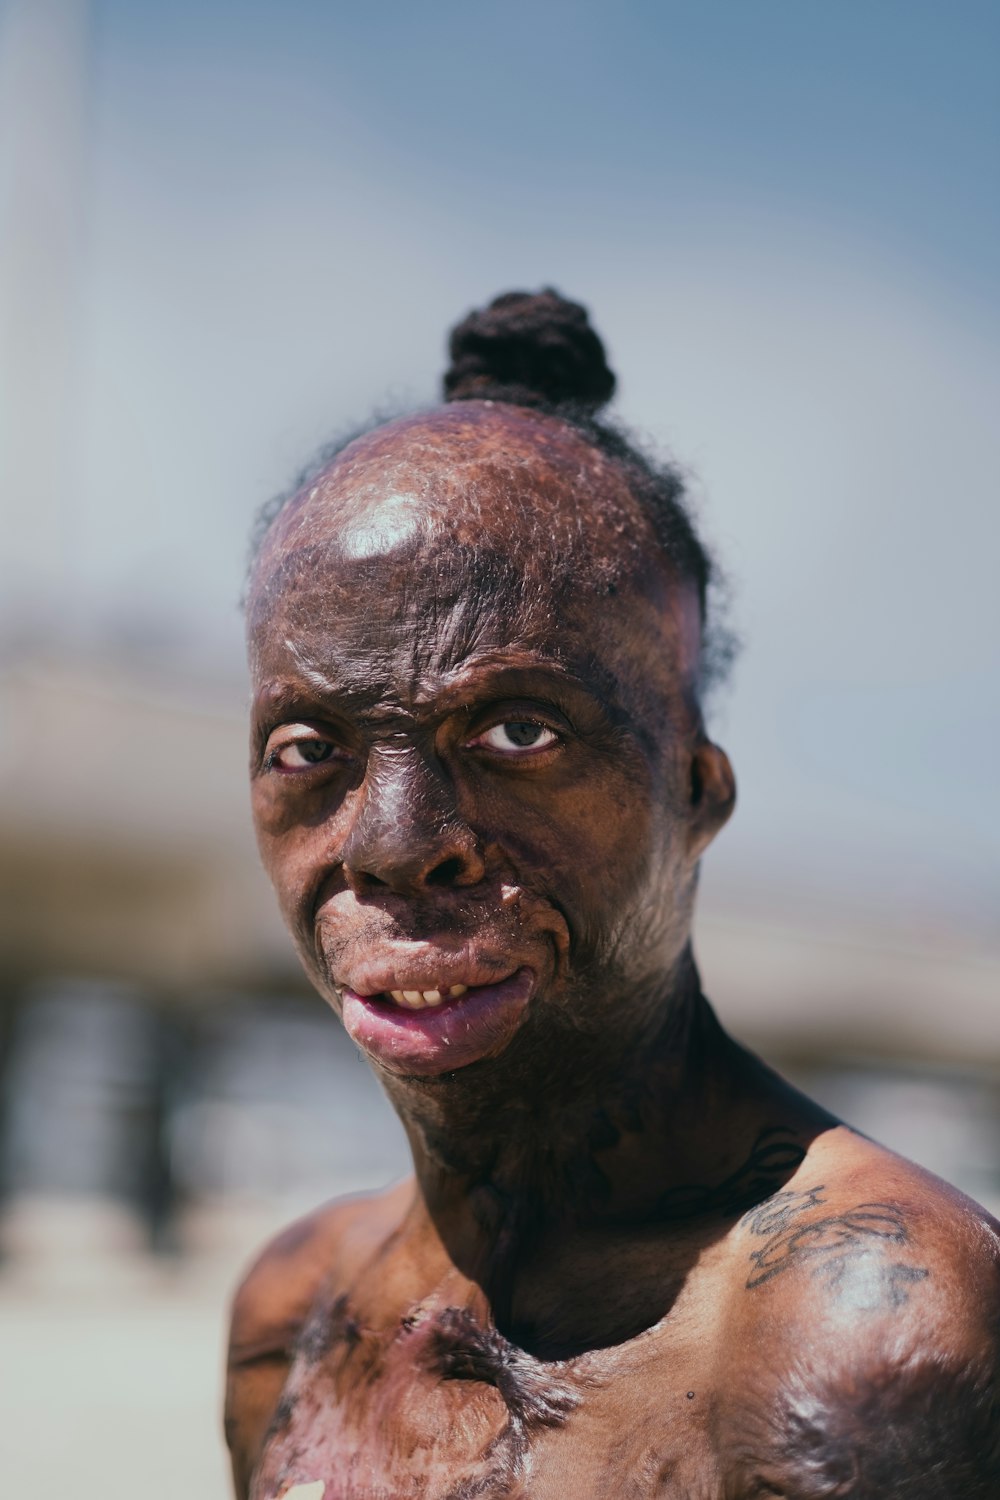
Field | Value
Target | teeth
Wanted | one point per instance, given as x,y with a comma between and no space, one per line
418,999
410,999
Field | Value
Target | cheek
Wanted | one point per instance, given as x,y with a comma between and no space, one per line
588,843
294,844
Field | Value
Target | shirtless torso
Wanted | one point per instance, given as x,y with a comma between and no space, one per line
838,1339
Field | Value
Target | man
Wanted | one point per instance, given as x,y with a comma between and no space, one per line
631,1261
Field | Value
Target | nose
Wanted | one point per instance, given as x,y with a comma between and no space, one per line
407,834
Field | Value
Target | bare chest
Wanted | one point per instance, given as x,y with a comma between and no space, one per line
444,1409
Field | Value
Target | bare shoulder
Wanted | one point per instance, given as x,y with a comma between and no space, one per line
275,1296
856,1213
273,1302
866,1303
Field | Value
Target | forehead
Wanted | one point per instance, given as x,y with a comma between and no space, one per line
472,471
474,529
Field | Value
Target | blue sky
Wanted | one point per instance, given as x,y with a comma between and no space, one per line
786,222
879,118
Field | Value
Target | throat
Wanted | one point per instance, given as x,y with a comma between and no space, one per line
577,1145
566,1108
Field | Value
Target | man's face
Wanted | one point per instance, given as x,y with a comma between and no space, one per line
479,784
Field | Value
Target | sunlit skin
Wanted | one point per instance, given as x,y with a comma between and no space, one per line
631,1260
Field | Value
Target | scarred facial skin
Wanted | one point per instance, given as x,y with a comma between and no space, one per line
631,1259
407,612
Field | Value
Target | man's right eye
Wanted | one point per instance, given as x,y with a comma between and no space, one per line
290,751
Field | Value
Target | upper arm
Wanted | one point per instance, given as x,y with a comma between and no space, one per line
269,1309
274,1301
873,1339
925,1427
254,1383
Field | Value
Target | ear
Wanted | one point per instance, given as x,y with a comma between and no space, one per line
713,795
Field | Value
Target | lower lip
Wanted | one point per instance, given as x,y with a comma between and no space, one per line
439,1038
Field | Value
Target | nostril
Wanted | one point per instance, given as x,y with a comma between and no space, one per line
446,873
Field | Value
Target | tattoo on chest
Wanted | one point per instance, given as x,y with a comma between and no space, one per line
850,1249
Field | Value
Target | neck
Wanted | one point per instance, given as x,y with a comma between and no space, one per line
570,1129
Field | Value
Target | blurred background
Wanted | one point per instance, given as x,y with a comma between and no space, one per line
228,231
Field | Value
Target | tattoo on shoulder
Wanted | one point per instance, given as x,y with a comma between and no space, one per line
834,1246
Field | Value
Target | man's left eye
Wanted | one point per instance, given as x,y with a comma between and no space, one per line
516,736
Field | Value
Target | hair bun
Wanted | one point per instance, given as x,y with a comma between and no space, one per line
531,349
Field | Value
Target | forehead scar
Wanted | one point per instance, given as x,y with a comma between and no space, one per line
310,673
380,528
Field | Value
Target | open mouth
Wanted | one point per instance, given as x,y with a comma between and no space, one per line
437,1028
421,999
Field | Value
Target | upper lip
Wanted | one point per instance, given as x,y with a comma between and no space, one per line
420,966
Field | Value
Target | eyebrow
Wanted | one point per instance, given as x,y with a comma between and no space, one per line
564,673
494,674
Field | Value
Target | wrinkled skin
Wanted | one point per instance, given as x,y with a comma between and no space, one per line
631,1260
